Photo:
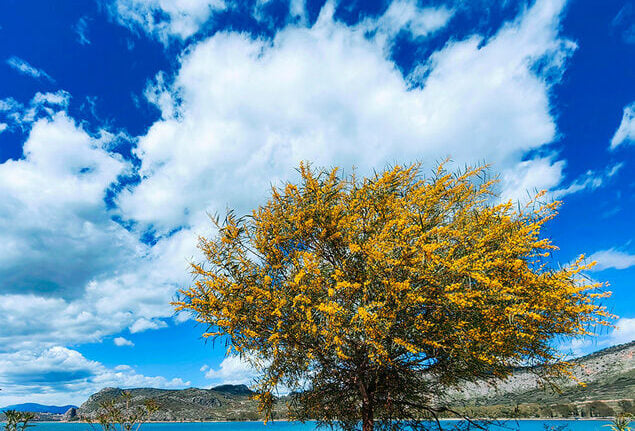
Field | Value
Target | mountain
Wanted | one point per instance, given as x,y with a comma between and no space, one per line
609,376
226,402
38,408
608,387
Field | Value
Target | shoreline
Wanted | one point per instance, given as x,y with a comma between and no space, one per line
573,419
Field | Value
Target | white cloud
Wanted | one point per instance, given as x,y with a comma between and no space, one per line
121,341
26,69
146,324
622,23
297,8
624,331
612,259
232,371
55,233
59,98
81,28
591,180
64,262
250,110
166,18
3,127
625,133
12,110
523,180
577,347
406,15
9,105
42,105
57,373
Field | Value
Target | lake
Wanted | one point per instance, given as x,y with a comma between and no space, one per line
523,425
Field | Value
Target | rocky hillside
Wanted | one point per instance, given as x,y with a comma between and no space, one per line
609,387
609,376
227,402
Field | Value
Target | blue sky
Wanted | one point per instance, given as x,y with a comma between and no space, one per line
123,122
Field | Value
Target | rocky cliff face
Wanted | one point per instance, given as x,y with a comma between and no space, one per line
608,372
608,379
71,414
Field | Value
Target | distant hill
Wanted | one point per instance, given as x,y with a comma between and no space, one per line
226,402
609,388
609,376
38,408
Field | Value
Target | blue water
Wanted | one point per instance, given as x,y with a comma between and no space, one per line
524,425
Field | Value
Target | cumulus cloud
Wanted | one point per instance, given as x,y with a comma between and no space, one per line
69,273
55,234
232,371
243,112
43,376
25,68
121,341
625,133
146,324
624,331
528,177
612,259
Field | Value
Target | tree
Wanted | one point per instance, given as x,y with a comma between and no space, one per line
367,297
17,421
621,422
118,414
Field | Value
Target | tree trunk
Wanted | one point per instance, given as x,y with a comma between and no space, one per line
367,417
367,391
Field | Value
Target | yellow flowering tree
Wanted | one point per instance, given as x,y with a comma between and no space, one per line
365,296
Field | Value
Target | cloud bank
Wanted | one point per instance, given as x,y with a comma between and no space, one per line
242,112
41,377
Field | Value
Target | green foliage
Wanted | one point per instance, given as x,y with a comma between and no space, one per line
621,422
17,421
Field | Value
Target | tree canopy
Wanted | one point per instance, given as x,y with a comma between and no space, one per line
365,296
